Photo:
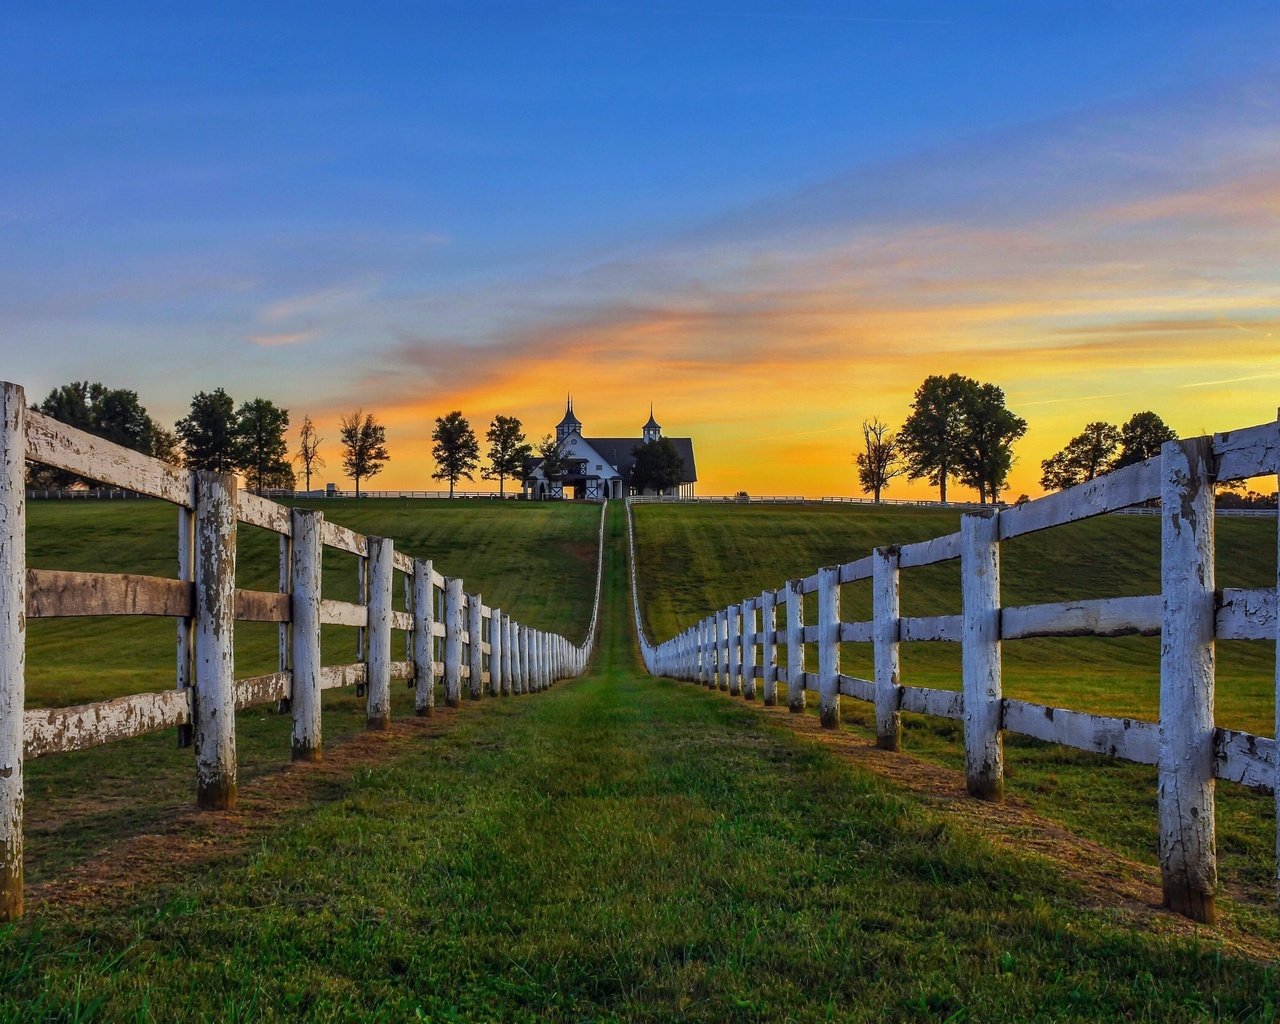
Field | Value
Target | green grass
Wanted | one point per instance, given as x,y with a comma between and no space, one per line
618,849
535,560
695,559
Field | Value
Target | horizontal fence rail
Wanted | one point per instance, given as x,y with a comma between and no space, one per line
740,643
450,635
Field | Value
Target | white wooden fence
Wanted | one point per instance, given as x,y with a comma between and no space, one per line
450,635
737,647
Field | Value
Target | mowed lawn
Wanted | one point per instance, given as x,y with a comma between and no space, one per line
617,849
693,559
534,560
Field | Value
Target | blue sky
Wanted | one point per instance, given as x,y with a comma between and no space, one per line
379,204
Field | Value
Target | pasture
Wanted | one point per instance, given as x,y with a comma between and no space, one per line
693,559
620,848
77,803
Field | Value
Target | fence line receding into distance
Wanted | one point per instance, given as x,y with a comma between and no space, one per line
450,634
733,648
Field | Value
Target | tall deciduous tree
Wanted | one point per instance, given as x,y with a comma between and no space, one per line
657,466
507,450
1087,455
1141,438
933,437
990,429
880,459
364,446
208,433
456,450
553,459
309,449
262,450
111,413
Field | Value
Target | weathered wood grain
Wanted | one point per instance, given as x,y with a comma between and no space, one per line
980,655
1188,861
859,689
1129,486
795,646
927,552
263,689
56,444
306,555
852,572
1246,615
13,642
927,700
214,709
62,730
1240,454
829,647
1127,738
1111,616
769,647
343,613
424,633
262,606
378,638
885,634
55,593
337,677
1245,758
255,510
340,537
932,628
857,632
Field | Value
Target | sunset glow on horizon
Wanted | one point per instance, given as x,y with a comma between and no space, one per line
771,227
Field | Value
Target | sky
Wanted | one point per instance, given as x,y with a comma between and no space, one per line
772,220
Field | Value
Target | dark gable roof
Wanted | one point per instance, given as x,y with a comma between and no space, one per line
618,451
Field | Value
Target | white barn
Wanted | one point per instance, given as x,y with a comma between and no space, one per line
600,467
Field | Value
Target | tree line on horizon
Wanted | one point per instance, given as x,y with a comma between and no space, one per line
960,428
252,439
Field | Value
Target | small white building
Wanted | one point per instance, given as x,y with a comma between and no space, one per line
600,467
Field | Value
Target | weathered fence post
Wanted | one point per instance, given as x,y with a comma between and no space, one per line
495,653
526,670
475,652
285,629
885,634
453,629
722,650
749,649
733,634
424,639
795,646
980,655
378,636
186,623
1188,860
707,656
829,646
504,651
13,641
304,701
215,694
519,653
769,647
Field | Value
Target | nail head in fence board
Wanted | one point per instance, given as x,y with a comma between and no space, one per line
475,652
1188,862
381,583
307,558
888,667
769,647
56,444
13,647
980,655
215,702
424,609
795,646
62,730
829,647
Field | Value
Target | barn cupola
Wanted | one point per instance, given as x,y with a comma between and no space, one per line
569,423
651,429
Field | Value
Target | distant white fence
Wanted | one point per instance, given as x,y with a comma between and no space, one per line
450,635
739,645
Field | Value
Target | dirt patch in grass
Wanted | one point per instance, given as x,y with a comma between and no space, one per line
1109,880
192,838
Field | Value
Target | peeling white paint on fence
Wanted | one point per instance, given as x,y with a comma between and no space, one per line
1186,745
205,603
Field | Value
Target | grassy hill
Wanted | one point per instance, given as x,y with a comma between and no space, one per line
618,849
694,559
536,561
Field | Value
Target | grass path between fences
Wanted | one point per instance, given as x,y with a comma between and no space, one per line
618,848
